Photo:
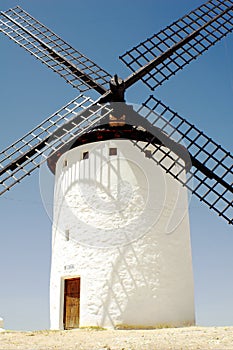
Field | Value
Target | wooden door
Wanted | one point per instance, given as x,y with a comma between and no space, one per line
71,303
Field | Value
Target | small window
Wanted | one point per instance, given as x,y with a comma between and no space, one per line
67,235
65,163
147,153
85,155
112,151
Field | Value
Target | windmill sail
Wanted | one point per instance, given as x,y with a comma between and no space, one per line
28,153
50,49
212,165
161,56
154,61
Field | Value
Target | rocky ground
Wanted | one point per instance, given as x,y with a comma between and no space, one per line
190,338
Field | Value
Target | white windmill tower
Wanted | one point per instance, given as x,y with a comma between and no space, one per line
121,242
121,253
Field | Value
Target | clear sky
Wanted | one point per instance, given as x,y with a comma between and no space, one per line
30,92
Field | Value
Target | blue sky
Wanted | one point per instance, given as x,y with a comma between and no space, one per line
202,92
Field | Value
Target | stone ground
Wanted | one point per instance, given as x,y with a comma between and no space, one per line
190,338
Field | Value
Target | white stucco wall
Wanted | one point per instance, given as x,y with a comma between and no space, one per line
129,239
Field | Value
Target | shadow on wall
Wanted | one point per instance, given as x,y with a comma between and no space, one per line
141,292
133,285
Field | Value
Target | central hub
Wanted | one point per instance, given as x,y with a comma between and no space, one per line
117,87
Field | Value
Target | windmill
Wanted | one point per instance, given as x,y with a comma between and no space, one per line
159,58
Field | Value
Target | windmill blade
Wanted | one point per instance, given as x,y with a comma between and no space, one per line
212,166
28,153
50,49
161,56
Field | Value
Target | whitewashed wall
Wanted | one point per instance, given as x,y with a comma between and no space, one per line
129,239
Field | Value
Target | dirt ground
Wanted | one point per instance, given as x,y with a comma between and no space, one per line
190,338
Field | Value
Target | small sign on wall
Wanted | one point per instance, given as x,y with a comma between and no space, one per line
69,267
